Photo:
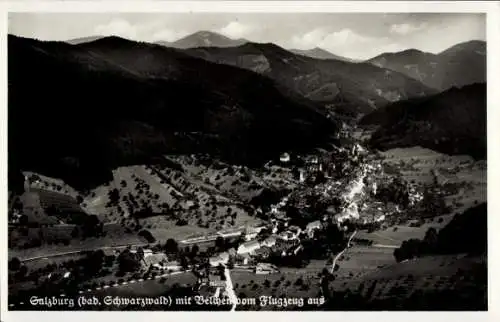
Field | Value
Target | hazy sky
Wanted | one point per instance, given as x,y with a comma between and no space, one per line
355,35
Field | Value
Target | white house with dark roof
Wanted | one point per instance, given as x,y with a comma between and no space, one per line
222,258
248,247
266,268
252,232
312,226
287,235
285,157
269,241
295,229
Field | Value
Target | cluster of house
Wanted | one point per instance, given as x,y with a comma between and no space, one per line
354,190
157,261
414,196
282,243
283,240
324,163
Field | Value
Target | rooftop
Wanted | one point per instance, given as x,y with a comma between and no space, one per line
251,243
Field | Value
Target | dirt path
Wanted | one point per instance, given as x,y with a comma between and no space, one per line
340,254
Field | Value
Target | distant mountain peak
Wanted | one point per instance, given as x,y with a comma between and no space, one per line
264,47
207,34
82,40
205,38
112,39
320,53
320,49
270,45
477,46
412,51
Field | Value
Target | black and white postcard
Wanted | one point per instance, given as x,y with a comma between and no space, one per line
251,159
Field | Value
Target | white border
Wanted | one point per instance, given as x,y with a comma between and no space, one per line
250,6
492,8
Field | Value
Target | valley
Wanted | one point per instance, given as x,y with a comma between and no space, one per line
256,177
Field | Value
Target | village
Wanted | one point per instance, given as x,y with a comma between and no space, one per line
337,192
345,182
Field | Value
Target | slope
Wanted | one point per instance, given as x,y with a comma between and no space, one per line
204,39
453,266
320,53
460,65
77,111
362,87
452,122
81,40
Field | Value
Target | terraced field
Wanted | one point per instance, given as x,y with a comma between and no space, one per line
204,208
51,184
282,285
428,274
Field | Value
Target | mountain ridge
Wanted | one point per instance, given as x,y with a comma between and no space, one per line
364,86
459,65
205,38
98,115
320,53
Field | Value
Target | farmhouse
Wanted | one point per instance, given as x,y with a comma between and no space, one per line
146,252
252,232
265,268
312,160
302,177
269,241
285,157
295,230
264,252
312,226
287,235
283,246
248,247
222,258
216,281
156,260
243,259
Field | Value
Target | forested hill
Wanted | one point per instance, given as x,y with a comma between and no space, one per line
76,111
452,122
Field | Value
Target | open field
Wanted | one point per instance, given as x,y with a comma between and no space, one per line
460,178
148,189
40,181
44,261
176,232
394,236
417,165
172,195
452,272
360,260
312,269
